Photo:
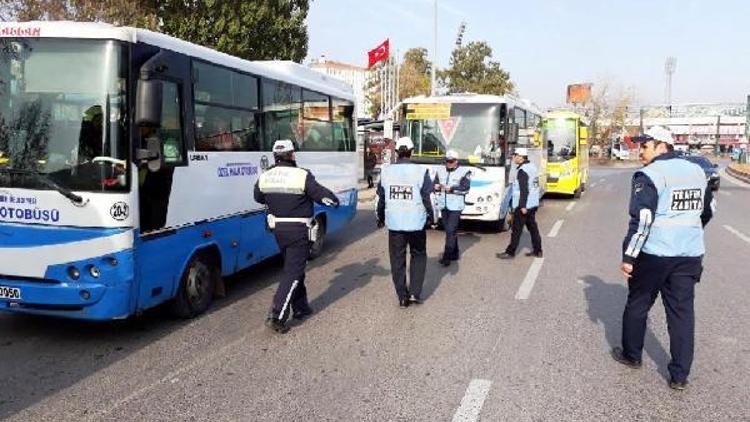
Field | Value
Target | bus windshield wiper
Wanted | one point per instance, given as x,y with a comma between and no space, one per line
45,180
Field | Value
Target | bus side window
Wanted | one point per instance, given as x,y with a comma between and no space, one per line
170,131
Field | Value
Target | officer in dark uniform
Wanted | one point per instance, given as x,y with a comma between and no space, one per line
405,207
525,202
452,183
663,251
289,192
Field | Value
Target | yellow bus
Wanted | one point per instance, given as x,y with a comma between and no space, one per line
565,134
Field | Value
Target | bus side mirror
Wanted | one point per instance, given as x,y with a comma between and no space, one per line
583,133
148,103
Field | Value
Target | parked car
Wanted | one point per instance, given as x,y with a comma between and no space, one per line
711,169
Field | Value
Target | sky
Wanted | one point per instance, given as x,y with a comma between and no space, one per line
548,44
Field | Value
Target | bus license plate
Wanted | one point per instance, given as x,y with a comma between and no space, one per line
10,293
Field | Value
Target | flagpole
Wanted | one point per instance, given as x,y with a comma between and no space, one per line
434,50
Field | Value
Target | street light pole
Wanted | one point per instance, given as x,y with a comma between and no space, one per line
434,50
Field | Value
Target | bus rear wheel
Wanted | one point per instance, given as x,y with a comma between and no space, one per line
577,193
196,287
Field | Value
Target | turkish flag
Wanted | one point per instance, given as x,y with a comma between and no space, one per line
378,54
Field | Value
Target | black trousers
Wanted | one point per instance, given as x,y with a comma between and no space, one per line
291,294
450,224
519,221
417,243
675,279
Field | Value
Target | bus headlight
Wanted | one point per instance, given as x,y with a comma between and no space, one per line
94,271
73,273
489,198
480,199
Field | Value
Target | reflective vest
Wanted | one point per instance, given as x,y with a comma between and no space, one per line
532,201
677,229
283,179
451,201
402,186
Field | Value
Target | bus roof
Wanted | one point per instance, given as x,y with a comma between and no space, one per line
285,71
471,98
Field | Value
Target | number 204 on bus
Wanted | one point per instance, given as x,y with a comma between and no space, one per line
128,159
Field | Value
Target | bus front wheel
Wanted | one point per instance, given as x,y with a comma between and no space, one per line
196,287
577,193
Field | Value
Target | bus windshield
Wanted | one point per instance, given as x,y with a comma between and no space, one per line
560,139
62,113
472,130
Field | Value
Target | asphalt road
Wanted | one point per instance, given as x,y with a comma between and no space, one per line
524,340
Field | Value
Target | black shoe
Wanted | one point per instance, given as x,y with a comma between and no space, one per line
403,303
415,300
535,254
678,385
445,262
617,354
504,255
276,325
302,314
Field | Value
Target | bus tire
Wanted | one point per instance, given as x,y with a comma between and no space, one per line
316,248
583,187
197,286
577,193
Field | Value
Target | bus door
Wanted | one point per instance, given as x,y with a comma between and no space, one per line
158,254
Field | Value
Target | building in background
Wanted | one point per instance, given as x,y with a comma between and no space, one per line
356,76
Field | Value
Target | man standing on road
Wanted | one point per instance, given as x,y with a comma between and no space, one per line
289,192
525,204
452,184
405,207
370,161
670,204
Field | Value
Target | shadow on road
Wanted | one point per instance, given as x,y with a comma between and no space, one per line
350,278
42,356
436,272
605,305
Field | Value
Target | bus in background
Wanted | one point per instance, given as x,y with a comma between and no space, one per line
130,183
484,130
565,134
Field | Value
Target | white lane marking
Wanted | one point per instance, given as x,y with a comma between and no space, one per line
737,233
473,401
602,180
725,174
524,290
555,228
593,185
579,281
570,206
725,193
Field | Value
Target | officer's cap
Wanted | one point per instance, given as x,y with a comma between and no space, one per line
283,145
451,155
405,142
524,152
656,133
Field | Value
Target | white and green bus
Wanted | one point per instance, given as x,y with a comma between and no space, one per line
484,130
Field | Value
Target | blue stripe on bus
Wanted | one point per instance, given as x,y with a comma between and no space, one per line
150,273
20,235
480,183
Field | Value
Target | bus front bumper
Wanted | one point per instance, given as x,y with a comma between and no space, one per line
105,297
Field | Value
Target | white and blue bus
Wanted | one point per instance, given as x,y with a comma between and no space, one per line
484,130
128,160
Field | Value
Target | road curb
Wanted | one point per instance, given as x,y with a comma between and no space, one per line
740,175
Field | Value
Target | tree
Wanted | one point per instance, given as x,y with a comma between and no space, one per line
140,13
413,78
253,30
472,70
414,73
607,112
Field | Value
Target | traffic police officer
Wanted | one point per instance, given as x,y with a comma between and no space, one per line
405,207
289,192
452,183
525,202
663,250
